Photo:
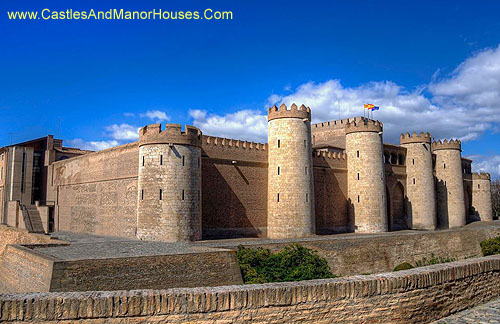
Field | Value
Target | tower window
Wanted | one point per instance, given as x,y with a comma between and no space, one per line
358,198
278,197
142,194
182,194
305,145
161,194
478,186
183,160
358,175
413,180
305,170
143,160
161,159
413,161
307,197
357,153
279,143
278,170
199,163
444,165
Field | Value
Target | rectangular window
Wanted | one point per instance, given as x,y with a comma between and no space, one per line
161,194
444,165
478,186
278,197
305,144
307,197
358,175
413,161
357,153
199,163
358,198
305,170
161,159
413,180
142,160
278,170
142,194
183,160
182,194
279,143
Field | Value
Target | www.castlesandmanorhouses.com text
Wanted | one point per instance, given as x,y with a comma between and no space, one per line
120,14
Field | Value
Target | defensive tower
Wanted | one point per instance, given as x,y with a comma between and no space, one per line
366,175
420,180
169,197
290,179
450,186
481,196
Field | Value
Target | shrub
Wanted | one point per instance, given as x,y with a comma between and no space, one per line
491,246
403,266
433,260
294,263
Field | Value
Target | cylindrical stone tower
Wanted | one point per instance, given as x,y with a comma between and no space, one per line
169,185
450,184
481,196
290,200
420,180
366,175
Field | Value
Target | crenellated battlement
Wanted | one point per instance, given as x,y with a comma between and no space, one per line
301,112
363,124
173,134
415,138
330,155
447,145
229,142
481,176
333,124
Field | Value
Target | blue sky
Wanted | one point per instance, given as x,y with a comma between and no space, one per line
431,66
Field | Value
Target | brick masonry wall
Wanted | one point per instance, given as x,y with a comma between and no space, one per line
10,235
413,296
96,193
450,188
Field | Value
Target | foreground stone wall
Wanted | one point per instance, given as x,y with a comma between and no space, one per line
413,296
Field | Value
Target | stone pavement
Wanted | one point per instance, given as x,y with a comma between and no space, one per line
483,314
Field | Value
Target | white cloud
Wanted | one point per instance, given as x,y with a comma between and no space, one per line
129,114
92,145
156,115
123,132
490,164
244,124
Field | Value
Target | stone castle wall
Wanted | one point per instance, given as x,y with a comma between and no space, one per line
290,180
418,295
482,208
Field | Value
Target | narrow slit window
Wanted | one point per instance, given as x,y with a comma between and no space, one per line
183,160
305,144
182,194
199,163
357,153
358,198
161,194
161,159
444,165
142,194
278,198
358,175
305,170
142,160
413,161
413,180
279,143
307,197
478,186
278,170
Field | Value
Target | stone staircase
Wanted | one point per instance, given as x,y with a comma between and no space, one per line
32,219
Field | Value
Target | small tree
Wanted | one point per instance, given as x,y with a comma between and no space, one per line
495,198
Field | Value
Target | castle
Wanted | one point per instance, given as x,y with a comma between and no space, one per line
180,185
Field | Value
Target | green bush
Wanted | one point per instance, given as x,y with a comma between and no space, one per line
403,266
294,263
433,260
491,246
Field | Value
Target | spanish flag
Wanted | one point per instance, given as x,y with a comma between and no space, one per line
369,106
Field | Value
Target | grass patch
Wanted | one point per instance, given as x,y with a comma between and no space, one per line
294,263
491,246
